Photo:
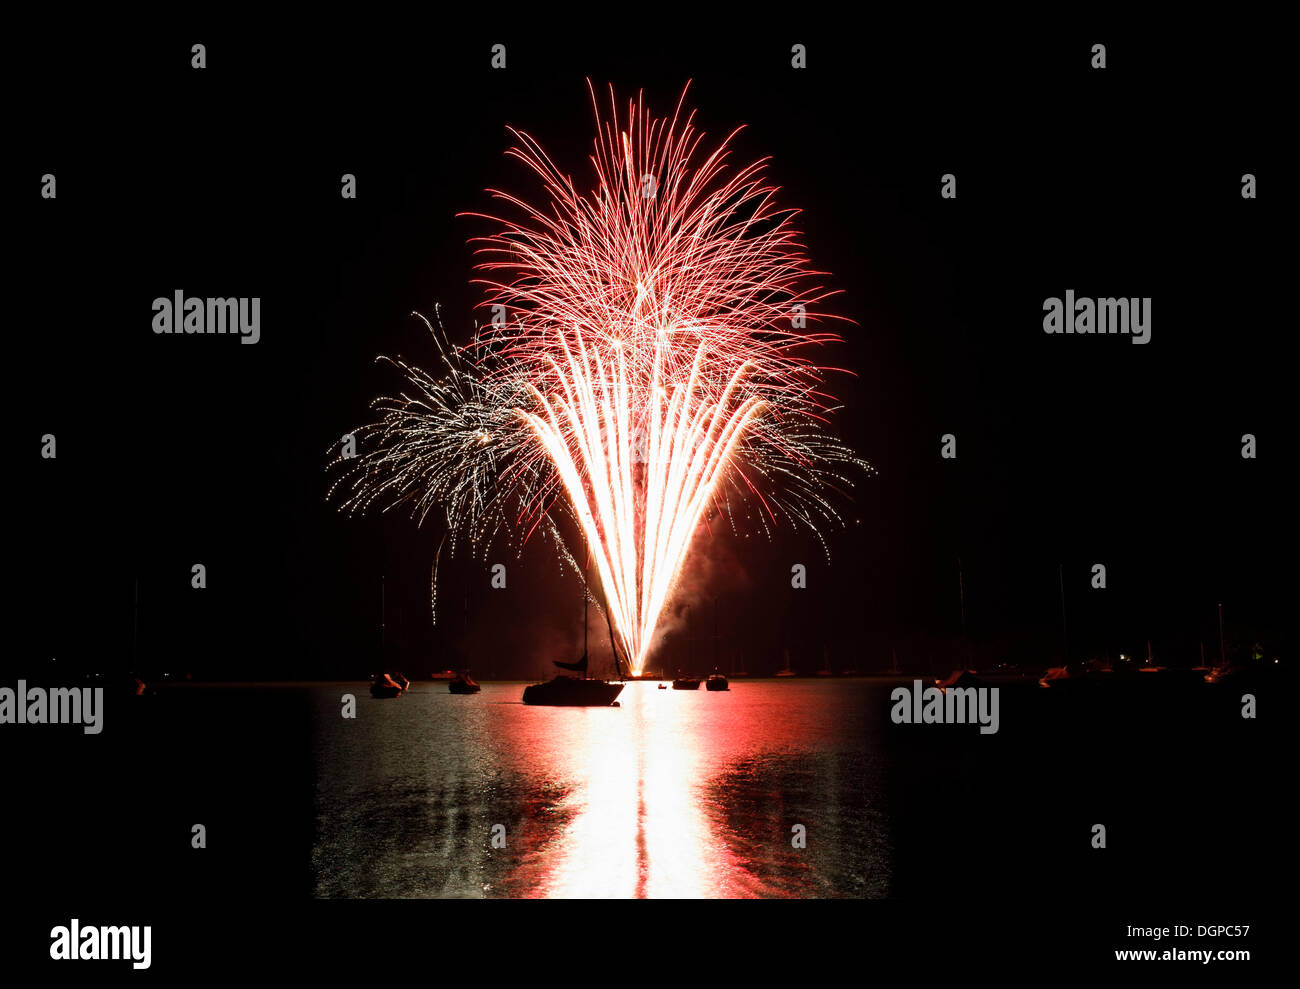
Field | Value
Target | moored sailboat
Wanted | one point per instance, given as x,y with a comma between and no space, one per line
463,684
577,691
786,671
385,686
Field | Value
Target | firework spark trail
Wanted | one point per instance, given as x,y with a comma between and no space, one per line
639,532
648,366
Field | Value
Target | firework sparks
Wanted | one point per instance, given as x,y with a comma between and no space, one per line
645,366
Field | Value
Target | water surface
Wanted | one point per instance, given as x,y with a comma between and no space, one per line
671,794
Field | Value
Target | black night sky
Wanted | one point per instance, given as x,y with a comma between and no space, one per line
1071,451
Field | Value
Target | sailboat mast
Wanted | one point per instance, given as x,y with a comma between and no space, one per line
618,669
715,635
690,642
1065,635
961,594
135,627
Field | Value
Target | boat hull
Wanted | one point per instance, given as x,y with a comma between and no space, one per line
572,692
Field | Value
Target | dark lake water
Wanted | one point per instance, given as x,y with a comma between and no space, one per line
672,794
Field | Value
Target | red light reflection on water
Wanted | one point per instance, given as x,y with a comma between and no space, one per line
637,824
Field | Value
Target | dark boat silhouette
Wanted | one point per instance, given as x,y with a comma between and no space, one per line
385,686
463,684
686,683
400,679
569,691
716,681
961,679
578,691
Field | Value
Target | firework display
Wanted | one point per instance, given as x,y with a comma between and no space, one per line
646,365
440,475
